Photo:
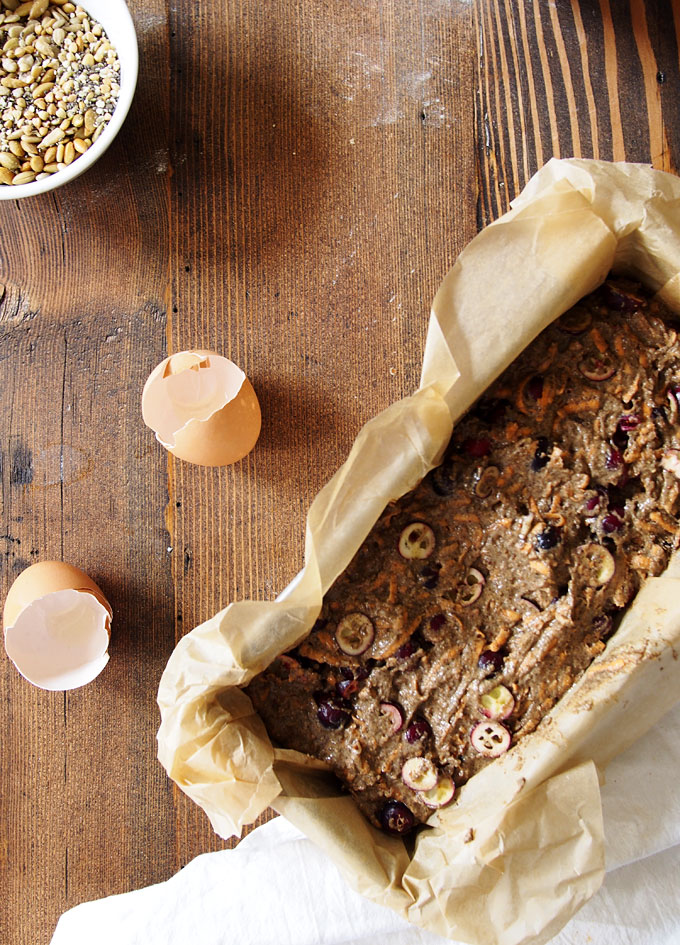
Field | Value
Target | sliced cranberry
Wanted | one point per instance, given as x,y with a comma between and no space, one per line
487,481
674,392
416,541
417,730
355,633
332,713
419,774
470,589
441,794
393,714
498,703
396,818
477,447
548,538
490,738
596,368
490,662
600,562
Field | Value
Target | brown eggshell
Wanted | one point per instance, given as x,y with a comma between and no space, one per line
43,578
227,422
57,626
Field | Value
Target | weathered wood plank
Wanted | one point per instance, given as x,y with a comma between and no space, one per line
573,80
85,809
315,205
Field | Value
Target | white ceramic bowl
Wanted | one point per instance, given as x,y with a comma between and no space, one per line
115,17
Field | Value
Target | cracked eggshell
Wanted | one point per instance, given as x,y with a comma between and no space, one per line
57,626
202,408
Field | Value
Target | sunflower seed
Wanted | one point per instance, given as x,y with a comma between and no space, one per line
38,9
59,83
26,177
52,137
9,161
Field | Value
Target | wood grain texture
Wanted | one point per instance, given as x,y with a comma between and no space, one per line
576,79
291,185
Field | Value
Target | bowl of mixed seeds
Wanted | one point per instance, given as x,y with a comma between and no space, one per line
68,72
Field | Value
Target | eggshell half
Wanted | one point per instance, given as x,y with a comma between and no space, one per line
202,408
57,626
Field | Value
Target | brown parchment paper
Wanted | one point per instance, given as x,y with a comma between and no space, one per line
522,848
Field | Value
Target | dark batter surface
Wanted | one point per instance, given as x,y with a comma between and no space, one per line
558,496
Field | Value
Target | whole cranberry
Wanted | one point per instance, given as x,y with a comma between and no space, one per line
332,713
437,622
611,523
542,454
417,730
347,687
477,447
442,480
491,662
396,818
405,650
548,538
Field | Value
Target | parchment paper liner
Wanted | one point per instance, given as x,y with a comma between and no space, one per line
522,848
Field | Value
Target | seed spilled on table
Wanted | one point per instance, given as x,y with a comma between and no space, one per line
59,85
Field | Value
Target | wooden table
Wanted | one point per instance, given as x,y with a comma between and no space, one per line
292,183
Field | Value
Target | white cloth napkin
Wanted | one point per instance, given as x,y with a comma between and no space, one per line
277,888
